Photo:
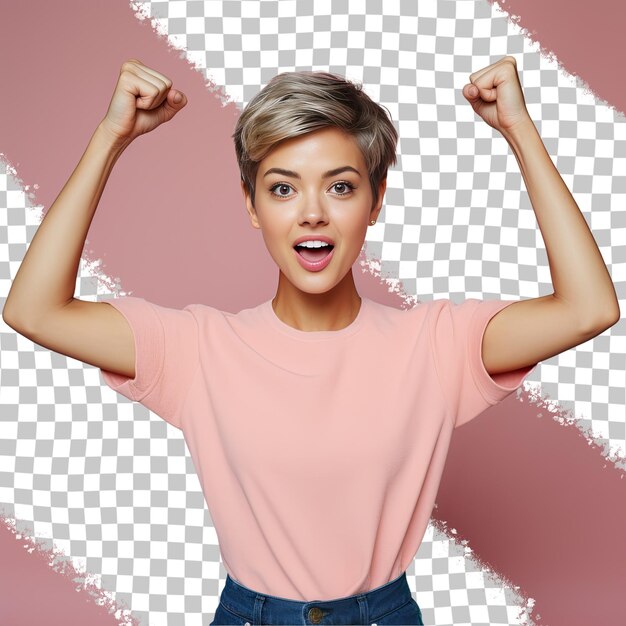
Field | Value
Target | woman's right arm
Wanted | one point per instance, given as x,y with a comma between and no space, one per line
41,304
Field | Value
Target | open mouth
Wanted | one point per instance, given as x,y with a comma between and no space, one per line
313,255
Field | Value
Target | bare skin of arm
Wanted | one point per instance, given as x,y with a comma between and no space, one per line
584,302
41,303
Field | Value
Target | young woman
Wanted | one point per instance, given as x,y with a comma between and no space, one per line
318,421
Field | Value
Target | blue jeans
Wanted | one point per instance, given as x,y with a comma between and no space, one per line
392,603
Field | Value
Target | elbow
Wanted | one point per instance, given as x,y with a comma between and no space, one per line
613,314
15,321
610,316
7,317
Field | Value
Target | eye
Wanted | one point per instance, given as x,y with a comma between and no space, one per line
280,186
344,184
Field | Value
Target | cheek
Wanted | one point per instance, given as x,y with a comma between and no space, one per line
275,235
355,232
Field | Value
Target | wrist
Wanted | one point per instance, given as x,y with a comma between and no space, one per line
109,141
522,132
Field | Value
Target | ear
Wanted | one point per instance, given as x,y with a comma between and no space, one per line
251,210
382,187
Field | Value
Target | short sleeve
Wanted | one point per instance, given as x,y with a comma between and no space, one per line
166,356
457,332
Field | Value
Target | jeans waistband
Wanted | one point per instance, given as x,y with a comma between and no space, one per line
363,608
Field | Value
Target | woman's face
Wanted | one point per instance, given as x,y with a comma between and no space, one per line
314,196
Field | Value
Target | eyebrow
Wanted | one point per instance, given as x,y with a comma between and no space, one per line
338,170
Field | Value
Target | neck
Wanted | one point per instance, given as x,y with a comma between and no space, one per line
331,310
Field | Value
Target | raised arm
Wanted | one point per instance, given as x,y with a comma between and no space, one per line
41,304
584,302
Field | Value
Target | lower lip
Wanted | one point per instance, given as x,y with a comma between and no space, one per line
314,267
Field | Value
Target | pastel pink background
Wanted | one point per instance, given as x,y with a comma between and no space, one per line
535,501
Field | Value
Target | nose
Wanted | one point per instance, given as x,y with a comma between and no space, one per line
313,211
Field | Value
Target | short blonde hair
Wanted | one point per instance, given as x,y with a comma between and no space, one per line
295,103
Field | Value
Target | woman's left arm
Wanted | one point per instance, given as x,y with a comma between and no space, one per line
584,302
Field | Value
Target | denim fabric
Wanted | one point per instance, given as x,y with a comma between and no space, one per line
392,603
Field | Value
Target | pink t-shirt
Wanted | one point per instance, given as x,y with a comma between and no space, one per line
319,453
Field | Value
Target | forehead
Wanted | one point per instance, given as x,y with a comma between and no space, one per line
318,150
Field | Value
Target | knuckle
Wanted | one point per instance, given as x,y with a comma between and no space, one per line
129,64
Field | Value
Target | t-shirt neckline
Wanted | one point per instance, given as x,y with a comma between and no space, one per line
314,335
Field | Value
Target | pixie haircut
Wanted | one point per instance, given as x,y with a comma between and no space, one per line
295,103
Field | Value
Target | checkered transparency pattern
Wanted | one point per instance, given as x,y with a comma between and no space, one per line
115,487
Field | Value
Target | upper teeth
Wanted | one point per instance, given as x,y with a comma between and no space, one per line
313,243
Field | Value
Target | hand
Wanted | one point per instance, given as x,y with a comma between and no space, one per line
496,95
143,99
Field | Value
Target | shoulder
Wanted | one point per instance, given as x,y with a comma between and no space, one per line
442,311
405,318
212,319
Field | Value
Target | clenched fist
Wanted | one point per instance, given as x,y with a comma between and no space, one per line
143,99
495,94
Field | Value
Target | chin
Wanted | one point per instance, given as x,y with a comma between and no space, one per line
313,284
315,289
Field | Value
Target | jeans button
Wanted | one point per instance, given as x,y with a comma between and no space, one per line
315,615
